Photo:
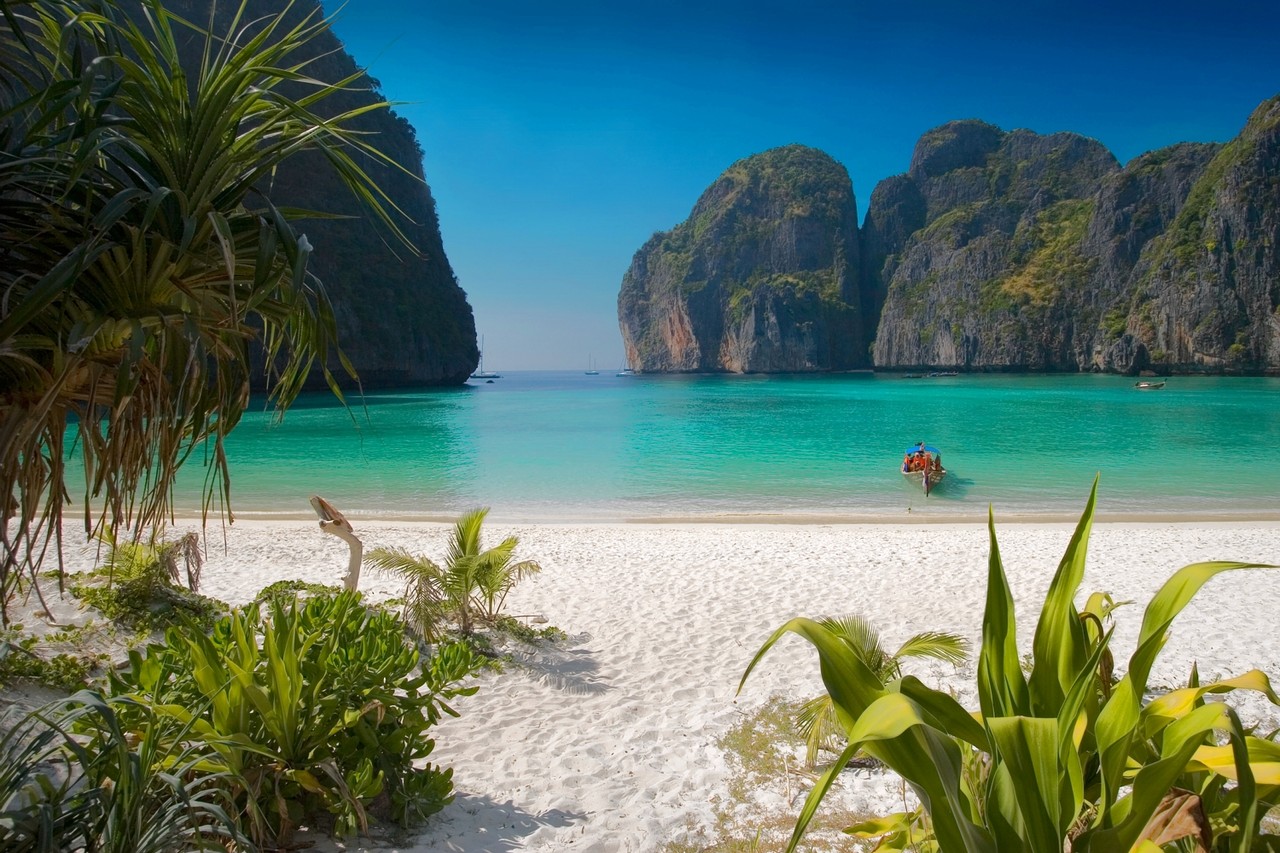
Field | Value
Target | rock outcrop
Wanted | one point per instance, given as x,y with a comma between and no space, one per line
1019,252
762,277
1205,293
403,320
995,251
993,274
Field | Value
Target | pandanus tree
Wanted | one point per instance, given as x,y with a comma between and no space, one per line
141,255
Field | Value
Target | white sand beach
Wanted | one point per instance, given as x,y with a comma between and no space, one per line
609,741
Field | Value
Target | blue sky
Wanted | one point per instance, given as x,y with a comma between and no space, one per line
558,136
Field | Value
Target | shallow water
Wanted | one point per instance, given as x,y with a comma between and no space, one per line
566,446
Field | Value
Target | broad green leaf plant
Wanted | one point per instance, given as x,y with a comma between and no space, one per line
816,720
316,706
1059,757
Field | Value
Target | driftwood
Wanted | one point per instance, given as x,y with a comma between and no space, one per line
334,522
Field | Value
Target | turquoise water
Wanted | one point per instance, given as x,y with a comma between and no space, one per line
566,446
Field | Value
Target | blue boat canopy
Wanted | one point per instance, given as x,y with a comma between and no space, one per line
928,448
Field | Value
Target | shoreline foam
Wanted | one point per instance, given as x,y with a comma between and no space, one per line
767,519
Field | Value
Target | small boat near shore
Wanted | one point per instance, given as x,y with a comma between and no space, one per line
1148,386
922,463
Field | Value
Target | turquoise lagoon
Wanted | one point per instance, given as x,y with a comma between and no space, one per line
564,447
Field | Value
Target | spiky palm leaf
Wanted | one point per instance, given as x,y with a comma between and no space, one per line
472,585
425,606
816,719
938,645
484,577
139,258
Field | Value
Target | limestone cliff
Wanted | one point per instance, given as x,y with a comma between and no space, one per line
1205,294
995,251
403,320
762,277
1012,251
988,269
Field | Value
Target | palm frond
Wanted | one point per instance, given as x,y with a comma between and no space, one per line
426,601
861,636
466,535
855,630
523,569
950,648
400,562
139,259
816,722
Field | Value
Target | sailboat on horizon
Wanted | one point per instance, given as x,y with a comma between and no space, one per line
481,373
591,367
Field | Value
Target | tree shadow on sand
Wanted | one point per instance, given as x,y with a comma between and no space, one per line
562,666
474,823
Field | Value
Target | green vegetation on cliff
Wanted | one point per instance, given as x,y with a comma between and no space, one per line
1188,239
775,234
1050,260
805,182
1006,250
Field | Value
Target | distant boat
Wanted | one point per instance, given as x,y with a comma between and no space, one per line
1148,386
923,463
591,367
626,371
481,373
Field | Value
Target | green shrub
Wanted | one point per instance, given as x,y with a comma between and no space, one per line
139,585
72,777
318,707
143,606
471,587
289,590
19,660
526,633
1065,757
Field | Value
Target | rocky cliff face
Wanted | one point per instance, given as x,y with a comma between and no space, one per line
1134,207
993,274
1205,293
1012,251
995,251
762,277
403,320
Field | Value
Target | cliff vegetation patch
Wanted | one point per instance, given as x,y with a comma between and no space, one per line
1052,260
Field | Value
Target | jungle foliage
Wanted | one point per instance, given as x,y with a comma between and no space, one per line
140,254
